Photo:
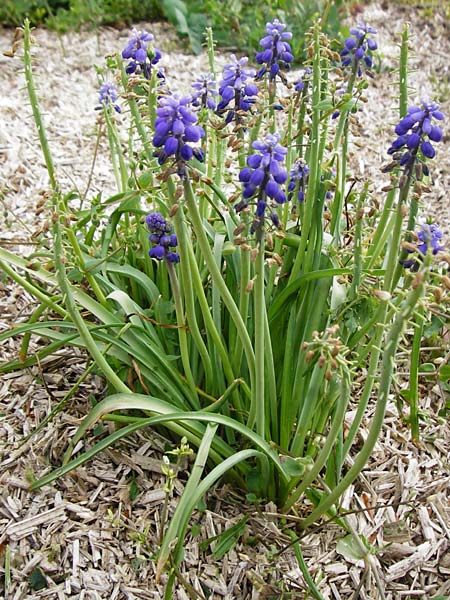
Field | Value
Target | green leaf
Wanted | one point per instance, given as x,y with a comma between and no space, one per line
427,368
133,490
37,580
349,549
229,538
444,373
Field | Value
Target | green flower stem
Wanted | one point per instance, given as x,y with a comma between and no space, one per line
34,318
312,588
33,290
357,245
330,441
309,405
336,209
218,279
244,300
182,337
403,71
82,265
382,232
414,376
259,409
31,89
135,113
74,313
387,367
313,161
117,157
187,278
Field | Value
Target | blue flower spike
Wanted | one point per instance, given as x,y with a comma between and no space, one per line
276,55
175,131
429,237
162,238
108,96
298,180
416,132
263,178
236,89
141,54
358,48
205,92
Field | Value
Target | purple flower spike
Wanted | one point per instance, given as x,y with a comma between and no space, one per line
140,54
358,49
175,130
429,236
108,97
263,178
236,87
298,180
161,238
415,133
205,91
276,54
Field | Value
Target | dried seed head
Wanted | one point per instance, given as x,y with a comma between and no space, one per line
173,211
328,375
322,361
309,356
417,280
249,286
381,295
446,281
254,254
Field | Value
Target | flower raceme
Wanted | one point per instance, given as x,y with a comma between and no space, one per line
141,56
205,92
416,131
263,177
176,130
236,87
276,54
429,236
162,238
108,97
358,48
298,180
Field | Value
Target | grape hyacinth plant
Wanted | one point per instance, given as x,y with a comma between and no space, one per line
243,290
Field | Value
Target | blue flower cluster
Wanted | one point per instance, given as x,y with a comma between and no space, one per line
162,238
416,131
299,86
236,87
263,177
429,237
141,56
359,48
175,130
276,53
108,97
205,92
298,180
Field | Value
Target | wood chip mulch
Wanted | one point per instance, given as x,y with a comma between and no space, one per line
93,534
